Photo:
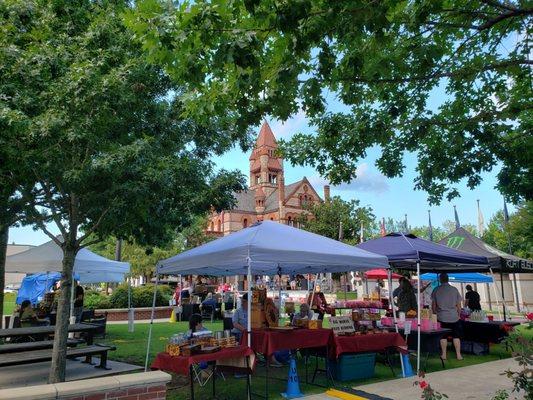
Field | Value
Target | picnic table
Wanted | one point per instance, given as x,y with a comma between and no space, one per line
183,365
89,329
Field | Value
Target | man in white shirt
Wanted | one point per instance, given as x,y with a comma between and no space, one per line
446,303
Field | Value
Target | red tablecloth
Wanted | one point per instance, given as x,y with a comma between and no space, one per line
375,342
267,341
180,364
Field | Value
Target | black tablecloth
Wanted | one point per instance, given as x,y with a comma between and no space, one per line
487,332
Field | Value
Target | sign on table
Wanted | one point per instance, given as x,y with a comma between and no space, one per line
341,325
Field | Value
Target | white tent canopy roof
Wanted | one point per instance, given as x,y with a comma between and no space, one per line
48,257
271,248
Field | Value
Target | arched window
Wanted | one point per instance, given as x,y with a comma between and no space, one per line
245,223
212,226
289,221
272,218
219,226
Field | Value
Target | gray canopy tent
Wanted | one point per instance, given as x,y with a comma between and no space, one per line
266,248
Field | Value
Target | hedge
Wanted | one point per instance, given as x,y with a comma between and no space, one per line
141,296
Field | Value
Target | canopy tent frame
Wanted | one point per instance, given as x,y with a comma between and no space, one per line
408,252
266,248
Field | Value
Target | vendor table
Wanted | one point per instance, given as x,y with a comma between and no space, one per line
376,343
183,365
266,341
487,332
429,341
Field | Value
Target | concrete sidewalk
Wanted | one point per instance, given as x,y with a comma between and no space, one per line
474,382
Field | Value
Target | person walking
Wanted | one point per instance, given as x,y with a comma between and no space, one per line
446,303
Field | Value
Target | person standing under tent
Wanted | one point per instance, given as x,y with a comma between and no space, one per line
240,322
79,295
406,297
446,303
396,292
472,299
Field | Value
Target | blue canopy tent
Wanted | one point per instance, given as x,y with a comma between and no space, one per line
407,251
472,277
267,248
34,287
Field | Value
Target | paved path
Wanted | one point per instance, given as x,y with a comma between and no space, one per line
475,382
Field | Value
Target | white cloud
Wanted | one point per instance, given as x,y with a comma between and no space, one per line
287,128
367,180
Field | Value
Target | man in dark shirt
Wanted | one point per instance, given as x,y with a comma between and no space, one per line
472,299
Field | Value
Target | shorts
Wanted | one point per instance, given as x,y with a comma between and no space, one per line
456,327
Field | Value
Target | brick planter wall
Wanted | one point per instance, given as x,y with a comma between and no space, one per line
140,386
121,314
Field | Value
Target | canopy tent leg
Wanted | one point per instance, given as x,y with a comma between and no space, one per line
279,293
496,294
487,288
515,287
151,324
249,304
418,318
503,297
389,277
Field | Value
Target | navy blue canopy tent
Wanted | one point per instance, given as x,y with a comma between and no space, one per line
468,277
407,251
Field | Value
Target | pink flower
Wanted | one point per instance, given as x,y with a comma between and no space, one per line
423,384
529,316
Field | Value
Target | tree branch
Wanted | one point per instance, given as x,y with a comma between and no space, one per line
465,72
510,14
496,4
94,227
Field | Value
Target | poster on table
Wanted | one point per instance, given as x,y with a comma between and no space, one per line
341,325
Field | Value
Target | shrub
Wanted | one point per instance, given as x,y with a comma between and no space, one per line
95,300
141,296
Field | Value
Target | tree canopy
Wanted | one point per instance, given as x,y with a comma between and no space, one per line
448,80
518,231
338,219
106,150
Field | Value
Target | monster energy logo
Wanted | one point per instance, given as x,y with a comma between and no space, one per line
455,242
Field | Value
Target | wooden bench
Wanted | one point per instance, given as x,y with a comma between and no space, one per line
27,346
30,357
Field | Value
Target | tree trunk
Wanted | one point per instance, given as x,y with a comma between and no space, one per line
59,352
4,234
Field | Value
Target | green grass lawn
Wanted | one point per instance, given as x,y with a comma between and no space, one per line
131,348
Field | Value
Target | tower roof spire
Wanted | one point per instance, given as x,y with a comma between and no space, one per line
266,137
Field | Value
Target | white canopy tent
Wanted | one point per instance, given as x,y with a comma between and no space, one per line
268,248
88,266
48,257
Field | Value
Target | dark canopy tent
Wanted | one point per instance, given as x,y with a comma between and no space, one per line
463,240
499,261
406,251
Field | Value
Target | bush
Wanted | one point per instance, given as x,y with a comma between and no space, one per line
94,300
141,296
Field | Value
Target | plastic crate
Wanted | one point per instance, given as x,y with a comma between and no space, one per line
353,366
